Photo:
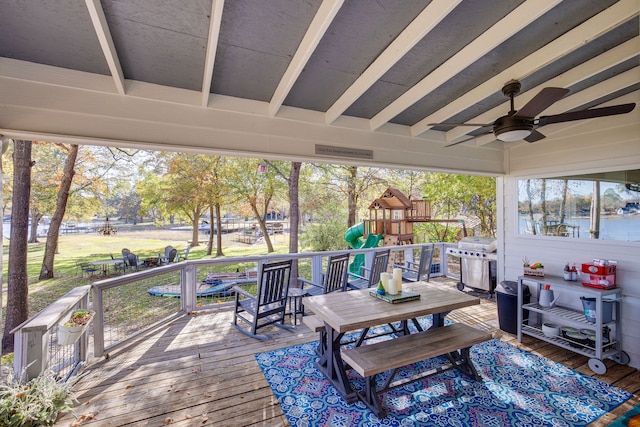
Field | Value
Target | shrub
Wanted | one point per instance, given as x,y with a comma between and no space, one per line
38,402
327,236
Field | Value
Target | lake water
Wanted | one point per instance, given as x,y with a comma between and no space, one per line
615,227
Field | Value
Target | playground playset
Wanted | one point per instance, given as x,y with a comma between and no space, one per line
391,219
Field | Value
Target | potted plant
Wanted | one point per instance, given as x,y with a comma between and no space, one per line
70,331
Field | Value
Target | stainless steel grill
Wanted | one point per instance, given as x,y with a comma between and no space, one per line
477,263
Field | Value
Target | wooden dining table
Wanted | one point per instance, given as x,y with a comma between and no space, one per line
356,310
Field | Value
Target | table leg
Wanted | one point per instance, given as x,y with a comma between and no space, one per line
438,319
333,367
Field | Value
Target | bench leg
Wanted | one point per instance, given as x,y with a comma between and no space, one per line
370,397
462,361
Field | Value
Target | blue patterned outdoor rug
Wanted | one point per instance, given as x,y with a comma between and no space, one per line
519,388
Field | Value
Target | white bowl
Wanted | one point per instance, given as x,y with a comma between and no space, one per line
550,329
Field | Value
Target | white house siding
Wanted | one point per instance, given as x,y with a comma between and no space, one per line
589,150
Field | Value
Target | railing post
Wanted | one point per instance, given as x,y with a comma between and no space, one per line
98,322
188,286
316,269
30,354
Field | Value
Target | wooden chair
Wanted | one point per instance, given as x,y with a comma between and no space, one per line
269,304
335,278
372,278
416,272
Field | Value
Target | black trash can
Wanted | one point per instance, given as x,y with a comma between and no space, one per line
507,300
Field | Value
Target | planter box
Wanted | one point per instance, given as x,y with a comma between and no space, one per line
68,335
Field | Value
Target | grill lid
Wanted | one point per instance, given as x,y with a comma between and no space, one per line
475,243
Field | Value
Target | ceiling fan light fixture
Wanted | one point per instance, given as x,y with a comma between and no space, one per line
510,128
513,135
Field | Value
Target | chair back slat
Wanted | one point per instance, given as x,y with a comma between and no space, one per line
337,273
274,283
379,266
426,258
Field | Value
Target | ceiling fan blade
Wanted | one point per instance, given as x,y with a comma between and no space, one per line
460,142
481,125
489,132
534,136
587,114
541,101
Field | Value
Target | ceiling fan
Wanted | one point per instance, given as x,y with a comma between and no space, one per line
522,124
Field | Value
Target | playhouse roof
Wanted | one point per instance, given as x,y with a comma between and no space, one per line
392,198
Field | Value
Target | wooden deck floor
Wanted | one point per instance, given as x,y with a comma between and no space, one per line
198,370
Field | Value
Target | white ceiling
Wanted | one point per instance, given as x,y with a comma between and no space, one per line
276,77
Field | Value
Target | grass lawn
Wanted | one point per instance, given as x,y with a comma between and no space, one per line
74,248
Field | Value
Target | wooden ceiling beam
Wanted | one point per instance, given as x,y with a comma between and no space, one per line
515,21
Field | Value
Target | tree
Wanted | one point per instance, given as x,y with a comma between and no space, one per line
258,188
217,194
292,178
184,188
46,271
354,183
452,195
17,279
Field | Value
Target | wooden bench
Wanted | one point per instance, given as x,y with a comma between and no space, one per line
314,323
453,341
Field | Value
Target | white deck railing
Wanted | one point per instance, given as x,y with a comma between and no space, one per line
125,308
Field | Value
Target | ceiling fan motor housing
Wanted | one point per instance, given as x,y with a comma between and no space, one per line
512,128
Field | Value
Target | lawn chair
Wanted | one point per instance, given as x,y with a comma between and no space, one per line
132,262
184,256
170,254
335,278
372,277
416,272
269,304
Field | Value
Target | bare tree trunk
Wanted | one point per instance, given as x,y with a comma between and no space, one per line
35,219
210,240
543,206
51,247
294,209
195,234
294,217
352,197
530,200
17,278
594,223
218,231
563,202
262,222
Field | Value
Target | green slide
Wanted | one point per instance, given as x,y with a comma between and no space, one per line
353,238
